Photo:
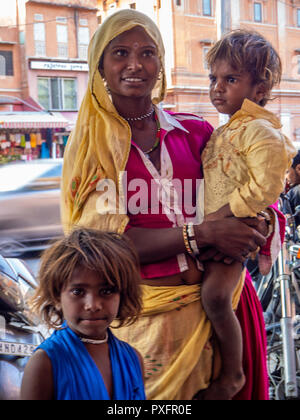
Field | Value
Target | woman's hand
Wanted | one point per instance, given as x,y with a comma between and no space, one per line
229,237
215,255
232,237
259,223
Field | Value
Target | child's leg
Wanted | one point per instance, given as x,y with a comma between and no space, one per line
220,281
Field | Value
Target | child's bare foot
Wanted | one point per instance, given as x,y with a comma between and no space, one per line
223,388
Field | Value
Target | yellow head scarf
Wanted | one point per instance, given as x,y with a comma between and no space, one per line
99,146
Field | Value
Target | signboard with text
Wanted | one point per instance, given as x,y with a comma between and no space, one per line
56,65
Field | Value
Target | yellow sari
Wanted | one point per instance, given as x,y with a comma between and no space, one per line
173,335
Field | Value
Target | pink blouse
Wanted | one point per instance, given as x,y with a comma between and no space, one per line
168,199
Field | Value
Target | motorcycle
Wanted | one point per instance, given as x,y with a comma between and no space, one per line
20,330
265,284
279,293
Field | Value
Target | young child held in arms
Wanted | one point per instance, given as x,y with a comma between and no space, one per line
87,280
244,164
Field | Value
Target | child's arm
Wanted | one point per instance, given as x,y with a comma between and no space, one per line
37,383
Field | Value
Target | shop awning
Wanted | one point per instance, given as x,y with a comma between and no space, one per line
32,120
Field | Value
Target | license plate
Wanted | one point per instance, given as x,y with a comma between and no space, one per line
16,349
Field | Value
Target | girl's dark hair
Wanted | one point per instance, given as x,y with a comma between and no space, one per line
249,51
111,255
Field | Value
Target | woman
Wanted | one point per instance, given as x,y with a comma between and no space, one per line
129,166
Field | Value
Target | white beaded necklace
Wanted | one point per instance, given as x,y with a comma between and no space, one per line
91,341
142,117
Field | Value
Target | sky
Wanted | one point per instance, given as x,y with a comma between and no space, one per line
8,12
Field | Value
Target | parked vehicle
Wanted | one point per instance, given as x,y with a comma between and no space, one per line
279,293
29,219
283,326
29,205
20,331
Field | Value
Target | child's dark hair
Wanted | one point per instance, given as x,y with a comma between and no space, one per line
250,51
111,255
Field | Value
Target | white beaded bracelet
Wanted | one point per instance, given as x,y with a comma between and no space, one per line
192,239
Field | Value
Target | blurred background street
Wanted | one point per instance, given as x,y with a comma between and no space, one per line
33,263
43,79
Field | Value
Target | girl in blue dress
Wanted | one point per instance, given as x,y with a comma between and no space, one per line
87,281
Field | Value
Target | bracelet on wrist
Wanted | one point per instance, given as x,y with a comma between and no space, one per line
190,240
268,219
186,240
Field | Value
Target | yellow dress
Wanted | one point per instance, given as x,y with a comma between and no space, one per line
245,162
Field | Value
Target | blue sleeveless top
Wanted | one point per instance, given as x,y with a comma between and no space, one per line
76,376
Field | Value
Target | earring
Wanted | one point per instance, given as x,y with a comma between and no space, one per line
159,77
106,85
58,307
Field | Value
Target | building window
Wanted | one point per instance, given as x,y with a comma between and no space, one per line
298,17
57,93
62,41
2,66
6,63
61,19
132,5
38,16
205,51
206,7
83,22
112,6
83,42
39,39
178,2
257,12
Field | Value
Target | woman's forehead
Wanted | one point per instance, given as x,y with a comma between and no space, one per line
136,35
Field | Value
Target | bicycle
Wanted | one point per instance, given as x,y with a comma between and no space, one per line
280,295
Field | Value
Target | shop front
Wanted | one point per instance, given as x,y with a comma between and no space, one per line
32,135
